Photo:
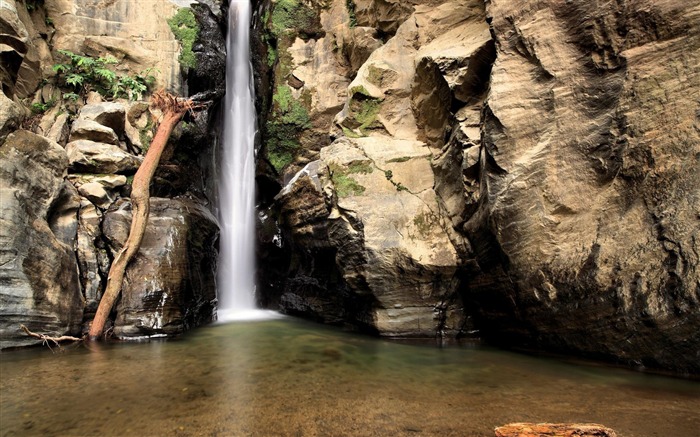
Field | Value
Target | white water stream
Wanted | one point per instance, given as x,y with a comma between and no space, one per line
236,277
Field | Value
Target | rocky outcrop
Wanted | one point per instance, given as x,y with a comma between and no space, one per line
525,170
169,287
38,269
370,202
57,255
24,52
587,228
135,32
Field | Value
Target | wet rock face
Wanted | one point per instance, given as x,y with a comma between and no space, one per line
587,232
38,269
169,287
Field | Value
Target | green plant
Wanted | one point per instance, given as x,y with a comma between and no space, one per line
399,159
350,5
84,73
145,136
32,5
363,167
345,186
40,108
364,110
185,28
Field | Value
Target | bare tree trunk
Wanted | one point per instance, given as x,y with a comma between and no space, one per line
173,110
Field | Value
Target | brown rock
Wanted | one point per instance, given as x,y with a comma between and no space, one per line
554,430
38,269
591,154
170,285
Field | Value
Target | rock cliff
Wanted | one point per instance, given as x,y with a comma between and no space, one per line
65,176
524,171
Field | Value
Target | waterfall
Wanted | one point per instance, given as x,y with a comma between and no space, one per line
236,277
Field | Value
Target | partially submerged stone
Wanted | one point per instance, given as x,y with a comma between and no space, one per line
554,430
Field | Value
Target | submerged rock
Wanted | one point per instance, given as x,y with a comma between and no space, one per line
170,285
554,430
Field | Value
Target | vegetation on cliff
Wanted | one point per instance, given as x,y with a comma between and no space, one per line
84,73
185,28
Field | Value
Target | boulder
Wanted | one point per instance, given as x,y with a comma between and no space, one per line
90,157
59,130
372,203
83,129
96,193
383,15
23,51
38,271
170,284
109,114
11,115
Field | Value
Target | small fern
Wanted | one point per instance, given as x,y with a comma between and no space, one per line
83,73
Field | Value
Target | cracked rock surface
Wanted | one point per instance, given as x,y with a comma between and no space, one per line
526,170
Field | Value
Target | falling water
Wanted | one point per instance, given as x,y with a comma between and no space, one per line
236,283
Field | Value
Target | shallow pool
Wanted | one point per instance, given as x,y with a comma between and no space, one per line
292,378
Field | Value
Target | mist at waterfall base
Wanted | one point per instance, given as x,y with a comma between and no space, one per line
236,277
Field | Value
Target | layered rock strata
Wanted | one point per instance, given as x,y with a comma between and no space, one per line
526,170
66,186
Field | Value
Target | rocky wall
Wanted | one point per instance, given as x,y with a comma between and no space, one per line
523,171
66,176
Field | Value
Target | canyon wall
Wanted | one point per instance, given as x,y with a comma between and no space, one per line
69,156
525,172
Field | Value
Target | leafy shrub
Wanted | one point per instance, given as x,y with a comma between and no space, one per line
83,73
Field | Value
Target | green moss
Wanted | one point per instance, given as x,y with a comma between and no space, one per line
359,89
346,185
360,167
400,159
425,222
374,75
367,113
288,119
280,159
350,133
185,28
291,14
146,135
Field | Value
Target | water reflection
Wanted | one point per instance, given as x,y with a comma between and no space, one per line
285,377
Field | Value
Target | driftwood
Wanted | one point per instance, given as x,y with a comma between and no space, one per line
173,109
47,339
